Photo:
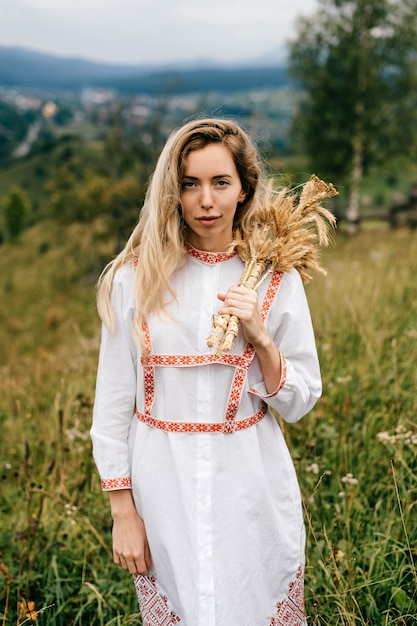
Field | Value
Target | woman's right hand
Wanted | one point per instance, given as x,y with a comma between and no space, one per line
130,543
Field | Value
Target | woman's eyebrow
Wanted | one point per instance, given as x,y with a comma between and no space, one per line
213,177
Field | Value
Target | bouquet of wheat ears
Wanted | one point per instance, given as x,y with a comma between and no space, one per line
286,232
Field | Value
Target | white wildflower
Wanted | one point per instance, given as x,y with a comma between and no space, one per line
408,437
313,468
383,436
343,379
350,479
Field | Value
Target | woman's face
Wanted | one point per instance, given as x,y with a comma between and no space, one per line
210,192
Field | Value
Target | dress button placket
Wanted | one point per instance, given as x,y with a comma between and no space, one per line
206,611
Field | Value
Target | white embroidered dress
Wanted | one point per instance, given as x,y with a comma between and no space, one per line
208,466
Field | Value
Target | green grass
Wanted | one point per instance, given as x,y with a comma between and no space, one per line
359,486
362,544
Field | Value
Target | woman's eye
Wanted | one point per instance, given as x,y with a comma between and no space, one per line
187,184
222,183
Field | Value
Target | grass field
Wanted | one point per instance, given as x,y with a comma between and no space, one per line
355,453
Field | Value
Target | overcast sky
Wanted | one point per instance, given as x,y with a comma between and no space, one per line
151,31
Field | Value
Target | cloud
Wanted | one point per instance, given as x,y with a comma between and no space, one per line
144,31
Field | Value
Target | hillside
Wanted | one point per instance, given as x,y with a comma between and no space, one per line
27,68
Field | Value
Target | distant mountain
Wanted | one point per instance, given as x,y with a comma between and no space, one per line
21,66
201,80
26,68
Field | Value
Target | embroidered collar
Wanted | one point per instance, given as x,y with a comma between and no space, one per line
210,257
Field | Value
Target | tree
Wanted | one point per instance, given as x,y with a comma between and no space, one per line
117,201
14,125
63,188
356,62
16,209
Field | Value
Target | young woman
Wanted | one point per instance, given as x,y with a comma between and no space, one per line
203,493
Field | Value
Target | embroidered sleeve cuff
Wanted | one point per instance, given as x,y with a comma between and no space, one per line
113,484
281,382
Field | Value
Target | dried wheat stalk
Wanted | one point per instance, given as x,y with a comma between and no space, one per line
287,231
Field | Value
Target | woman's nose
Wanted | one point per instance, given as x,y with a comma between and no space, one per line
206,197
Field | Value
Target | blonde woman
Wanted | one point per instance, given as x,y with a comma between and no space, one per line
203,493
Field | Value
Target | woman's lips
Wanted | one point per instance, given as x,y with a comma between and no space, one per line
208,219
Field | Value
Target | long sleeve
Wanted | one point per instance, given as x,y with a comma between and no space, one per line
291,328
115,390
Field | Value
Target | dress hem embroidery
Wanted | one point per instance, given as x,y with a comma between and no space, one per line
290,610
154,607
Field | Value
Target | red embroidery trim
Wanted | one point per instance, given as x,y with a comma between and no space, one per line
290,611
109,484
283,372
281,382
200,427
190,360
210,257
148,371
236,390
153,605
271,292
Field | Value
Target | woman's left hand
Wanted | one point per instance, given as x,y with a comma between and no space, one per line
243,303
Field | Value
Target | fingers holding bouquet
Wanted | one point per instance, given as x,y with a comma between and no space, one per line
242,303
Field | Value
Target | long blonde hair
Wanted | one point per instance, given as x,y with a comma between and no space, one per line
158,242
